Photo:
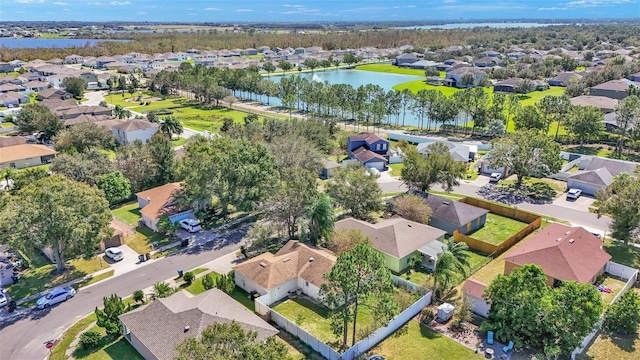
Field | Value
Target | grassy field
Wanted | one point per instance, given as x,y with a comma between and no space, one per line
607,152
625,255
497,229
615,285
196,286
416,85
40,278
390,69
496,266
128,213
476,260
420,342
396,169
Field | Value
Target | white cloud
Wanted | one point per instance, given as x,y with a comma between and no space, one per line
118,3
595,3
242,10
95,3
552,8
293,6
211,9
28,2
60,3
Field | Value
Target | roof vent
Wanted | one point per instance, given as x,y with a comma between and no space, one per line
559,239
409,225
286,260
263,264
148,198
445,202
567,233
186,328
571,241
310,259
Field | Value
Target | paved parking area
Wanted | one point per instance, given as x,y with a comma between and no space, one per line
129,263
582,203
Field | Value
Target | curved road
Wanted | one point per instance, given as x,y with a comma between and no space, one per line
23,338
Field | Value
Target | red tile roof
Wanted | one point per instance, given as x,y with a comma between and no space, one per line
563,252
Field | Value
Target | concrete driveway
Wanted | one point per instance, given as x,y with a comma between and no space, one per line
129,263
95,97
582,203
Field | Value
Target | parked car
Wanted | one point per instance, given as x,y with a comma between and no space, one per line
114,254
495,177
191,225
574,193
3,298
56,295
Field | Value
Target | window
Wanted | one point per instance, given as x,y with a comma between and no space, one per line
378,146
12,165
306,283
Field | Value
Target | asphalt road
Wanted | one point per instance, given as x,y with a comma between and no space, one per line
23,338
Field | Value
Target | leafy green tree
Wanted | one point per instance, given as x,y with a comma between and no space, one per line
235,171
70,217
136,163
208,282
585,123
83,137
420,172
525,153
115,186
86,168
451,266
121,113
222,341
170,125
226,283
188,277
623,316
529,117
412,207
163,158
268,67
468,80
166,226
90,339
358,276
138,296
354,188
627,119
284,66
75,86
38,118
321,219
621,201
108,316
25,177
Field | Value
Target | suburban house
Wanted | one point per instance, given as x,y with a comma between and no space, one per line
6,271
405,59
564,78
6,67
53,93
296,266
485,167
564,253
159,201
605,104
76,111
454,76
73,59
13,99
615,89
156,329
488,61
35,86
595,173
25,155
474,290
399,240
368,149
128,131
328,167
450,215
511,86
421,64
459,152
6,141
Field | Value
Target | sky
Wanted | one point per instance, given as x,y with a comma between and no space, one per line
311,10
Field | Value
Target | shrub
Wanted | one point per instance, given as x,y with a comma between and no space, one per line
188,277
90,339
623,316
138,296
208,282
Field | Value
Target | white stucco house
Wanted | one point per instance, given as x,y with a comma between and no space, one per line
295,266
159,201
128,131
474,290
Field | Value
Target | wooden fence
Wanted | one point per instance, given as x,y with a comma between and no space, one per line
533,220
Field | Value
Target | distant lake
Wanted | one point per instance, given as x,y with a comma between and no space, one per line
475,25
13,43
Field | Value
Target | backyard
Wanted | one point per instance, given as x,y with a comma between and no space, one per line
497,229
496,267
420,342
422,278
144,239
625,255
238,294
602,151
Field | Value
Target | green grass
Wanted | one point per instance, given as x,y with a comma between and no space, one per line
196,286
607,152
615,285
200,119
143,239
396,169
558,186
35,280
390,69
178,141
58,352
417,85
625,255
535,96
7,124
420,277
497,229
420,342
117,349
95,279
128,213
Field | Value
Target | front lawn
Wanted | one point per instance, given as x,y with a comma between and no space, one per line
145,240
7,124
497,229
37,279
396,169
128,213
420,342
108,349
178,141
625,255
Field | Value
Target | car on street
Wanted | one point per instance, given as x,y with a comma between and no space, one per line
55,296
3,298
191,225
495,177
114,254
574,194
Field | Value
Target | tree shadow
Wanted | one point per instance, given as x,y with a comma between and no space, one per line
625,342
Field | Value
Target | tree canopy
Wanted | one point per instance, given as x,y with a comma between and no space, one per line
621,201
75,86
38,118
354,188
86,168
68,216
83,137
420,172
115,186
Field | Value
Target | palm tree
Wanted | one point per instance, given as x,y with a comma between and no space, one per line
8,173
162,289
321,219
170,125
121,113
451,263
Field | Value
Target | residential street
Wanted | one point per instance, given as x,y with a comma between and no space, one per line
23,338
576,215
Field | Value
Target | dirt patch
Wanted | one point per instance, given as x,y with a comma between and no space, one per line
466,335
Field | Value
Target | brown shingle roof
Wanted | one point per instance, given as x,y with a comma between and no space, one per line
160,326
397,237
474,288
601,102
23,151
369,138
6,141
293,260
160,199
563,252
453,212
57,104
363,155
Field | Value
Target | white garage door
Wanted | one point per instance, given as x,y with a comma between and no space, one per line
376,165
588,189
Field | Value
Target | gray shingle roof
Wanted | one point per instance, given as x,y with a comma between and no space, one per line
453,212
597,177
614,166
160,326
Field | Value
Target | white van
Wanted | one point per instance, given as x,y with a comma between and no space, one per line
495,177
191,225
